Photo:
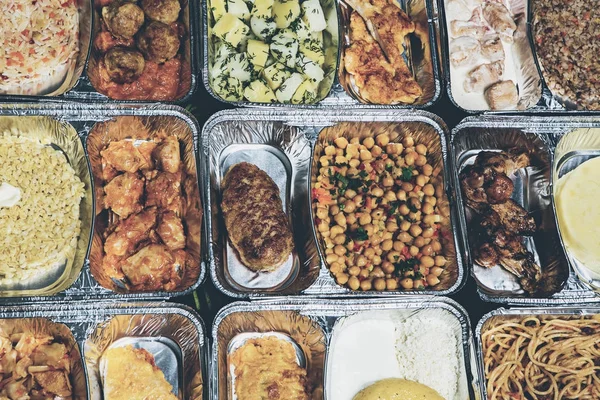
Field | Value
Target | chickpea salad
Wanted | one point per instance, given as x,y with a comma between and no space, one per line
378,212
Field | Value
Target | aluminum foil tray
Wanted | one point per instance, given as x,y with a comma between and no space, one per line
293,135
174,334
311,324
77,85
510,313
422,56
533,190
78,282
531,80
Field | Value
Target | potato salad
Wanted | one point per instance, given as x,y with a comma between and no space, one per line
271,51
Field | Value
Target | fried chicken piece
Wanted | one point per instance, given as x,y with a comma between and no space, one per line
123,194
502,95
514,218
483,76
378,81
499,18
124,156
170,230
168,155
151,267
164,191
130,232
54,382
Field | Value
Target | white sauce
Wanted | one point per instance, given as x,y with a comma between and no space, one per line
9,195
458,75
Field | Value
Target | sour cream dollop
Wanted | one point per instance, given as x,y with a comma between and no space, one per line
9,195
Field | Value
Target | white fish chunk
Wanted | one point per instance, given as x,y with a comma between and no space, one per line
499,18
464,50
492,48
502,96
483,76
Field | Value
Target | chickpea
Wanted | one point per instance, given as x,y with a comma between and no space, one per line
335,268
419,241
324,160
436,246
418,284
432,280
376,151
387,245
401,195
382,140
421,161
415,216
370,229
431,219
391,226
354,163
407,186
341,142
404,237
364,219
339,239
414,250
355,140
336,230
339,250
340,219
427,250
404,210
377,214
393,256
387,267
358,200
391,284
365,155
428,190
368,142
376,259
350,194
323,227
334,209
350,219
409,159
387,235
366,285
387,181
354,270
428,233
349,206
379,284
377,192
353,283
431,200
331,258
408,141
350,245
420,180
405,225
437,271
421,149
341,278
427,170
398,245
427,261
394,148
415,230
440,261
427,209
407,283
321,213
369,252
389,195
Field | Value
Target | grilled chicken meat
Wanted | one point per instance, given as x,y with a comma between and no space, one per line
124,194
254,217
501,222
381,75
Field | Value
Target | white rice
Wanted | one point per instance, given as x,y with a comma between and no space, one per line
39,39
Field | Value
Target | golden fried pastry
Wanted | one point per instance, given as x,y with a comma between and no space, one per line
256,223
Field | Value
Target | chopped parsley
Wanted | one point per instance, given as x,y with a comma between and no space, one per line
342,206
407,174
360,235
405,265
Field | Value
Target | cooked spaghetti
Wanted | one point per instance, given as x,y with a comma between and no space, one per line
39,40
539,358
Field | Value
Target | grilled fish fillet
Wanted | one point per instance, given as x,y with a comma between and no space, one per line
256,223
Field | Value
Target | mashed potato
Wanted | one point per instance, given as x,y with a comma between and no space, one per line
397,389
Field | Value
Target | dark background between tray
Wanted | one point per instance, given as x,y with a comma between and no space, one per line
208,300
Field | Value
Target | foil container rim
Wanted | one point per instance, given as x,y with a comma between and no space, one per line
66,112
336,115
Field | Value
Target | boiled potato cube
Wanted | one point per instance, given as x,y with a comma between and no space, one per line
275,75
313,15
231,29
238,8
306,93
331,17
313,51
258,52
258,92
263,9
288,88
263,28
228,88
240,68
301,29
285,12
284,49
309,68
218,9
